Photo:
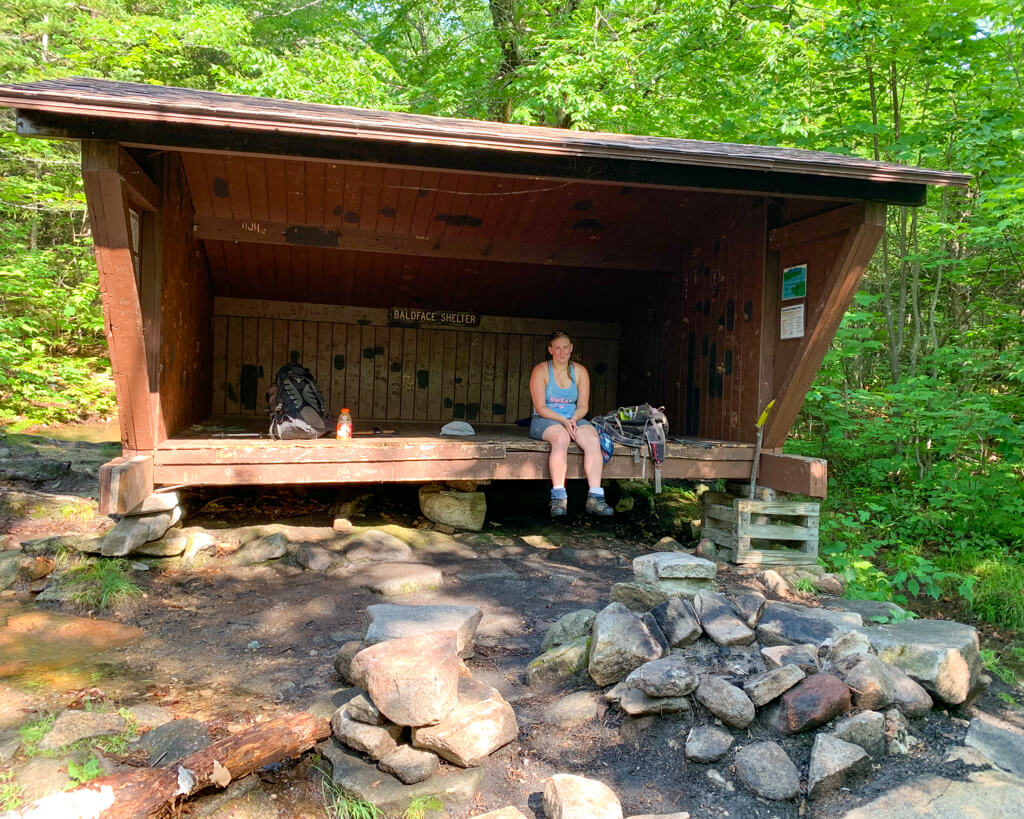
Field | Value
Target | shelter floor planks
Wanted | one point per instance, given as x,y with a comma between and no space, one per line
235,449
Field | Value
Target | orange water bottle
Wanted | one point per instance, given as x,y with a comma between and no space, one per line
344,424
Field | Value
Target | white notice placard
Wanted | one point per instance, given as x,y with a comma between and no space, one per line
791,323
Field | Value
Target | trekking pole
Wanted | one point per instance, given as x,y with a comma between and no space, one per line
757,447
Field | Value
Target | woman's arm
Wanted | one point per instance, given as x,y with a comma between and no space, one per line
583,385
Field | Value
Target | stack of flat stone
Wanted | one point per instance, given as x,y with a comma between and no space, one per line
417,702
660,576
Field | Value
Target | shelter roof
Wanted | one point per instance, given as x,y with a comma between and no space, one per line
77,100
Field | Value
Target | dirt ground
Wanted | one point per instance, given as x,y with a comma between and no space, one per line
231,645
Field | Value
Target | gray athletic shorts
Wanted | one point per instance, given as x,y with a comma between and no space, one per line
538,425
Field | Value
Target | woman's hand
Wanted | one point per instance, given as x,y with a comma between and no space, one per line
570,427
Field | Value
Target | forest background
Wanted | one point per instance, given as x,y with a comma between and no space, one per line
919,406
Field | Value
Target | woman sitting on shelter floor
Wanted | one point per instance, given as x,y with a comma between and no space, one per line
560,391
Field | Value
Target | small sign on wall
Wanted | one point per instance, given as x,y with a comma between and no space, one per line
794,282
791,321
448,318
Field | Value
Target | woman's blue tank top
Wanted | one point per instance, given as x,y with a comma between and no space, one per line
562,401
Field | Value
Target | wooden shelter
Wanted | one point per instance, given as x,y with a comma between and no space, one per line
416,265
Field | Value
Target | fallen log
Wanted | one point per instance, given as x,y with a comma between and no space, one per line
144,791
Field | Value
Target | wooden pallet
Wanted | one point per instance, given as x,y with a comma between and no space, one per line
762,532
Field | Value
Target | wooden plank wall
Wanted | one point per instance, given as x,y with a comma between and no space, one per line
186,309
396,373
693,345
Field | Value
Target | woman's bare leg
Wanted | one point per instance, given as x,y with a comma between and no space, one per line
586,437
558,457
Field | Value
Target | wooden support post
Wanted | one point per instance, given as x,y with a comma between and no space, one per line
124,483
823,313
794,474
119,288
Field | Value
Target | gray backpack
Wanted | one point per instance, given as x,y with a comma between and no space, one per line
295,405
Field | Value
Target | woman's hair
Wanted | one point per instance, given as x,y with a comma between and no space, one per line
557,334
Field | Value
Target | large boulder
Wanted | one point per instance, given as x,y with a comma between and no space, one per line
910,696
620,642
720,621
1000,741
868,679
480,723
668,677
391,621
560,665
463,510
375,741
374,546
575,797
412,680
658,566
941,655
789,624
992,794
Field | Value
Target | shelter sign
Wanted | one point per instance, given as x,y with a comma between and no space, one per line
791,324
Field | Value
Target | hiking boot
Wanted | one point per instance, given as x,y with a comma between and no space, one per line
559,507
596,506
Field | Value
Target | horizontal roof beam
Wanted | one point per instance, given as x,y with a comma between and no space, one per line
490,250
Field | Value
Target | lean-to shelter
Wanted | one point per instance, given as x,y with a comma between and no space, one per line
416,265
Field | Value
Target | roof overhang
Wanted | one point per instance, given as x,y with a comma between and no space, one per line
187,119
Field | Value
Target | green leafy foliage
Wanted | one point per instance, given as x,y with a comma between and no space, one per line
83,772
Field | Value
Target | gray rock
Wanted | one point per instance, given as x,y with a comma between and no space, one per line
362,710
316,558
343,659
373,740
87,544
155,503
146,716
833,762
636,703
872,611
394,579
991,794
575,797
651,568
765,770
173,543
866,729
572,710
409,765
763,688
707,743
480,723
463,510
941,655
130,533
668,677
40,777
788,624
260,550
999,741
910,696
749,607
719,619
805,657
852,642
620,642
678,621
174,740
390,621
560,665
774,582
72,726
10,741
569,627
412,680
897,731
868,679
362,781
639,596
10,566
725,701
373,546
